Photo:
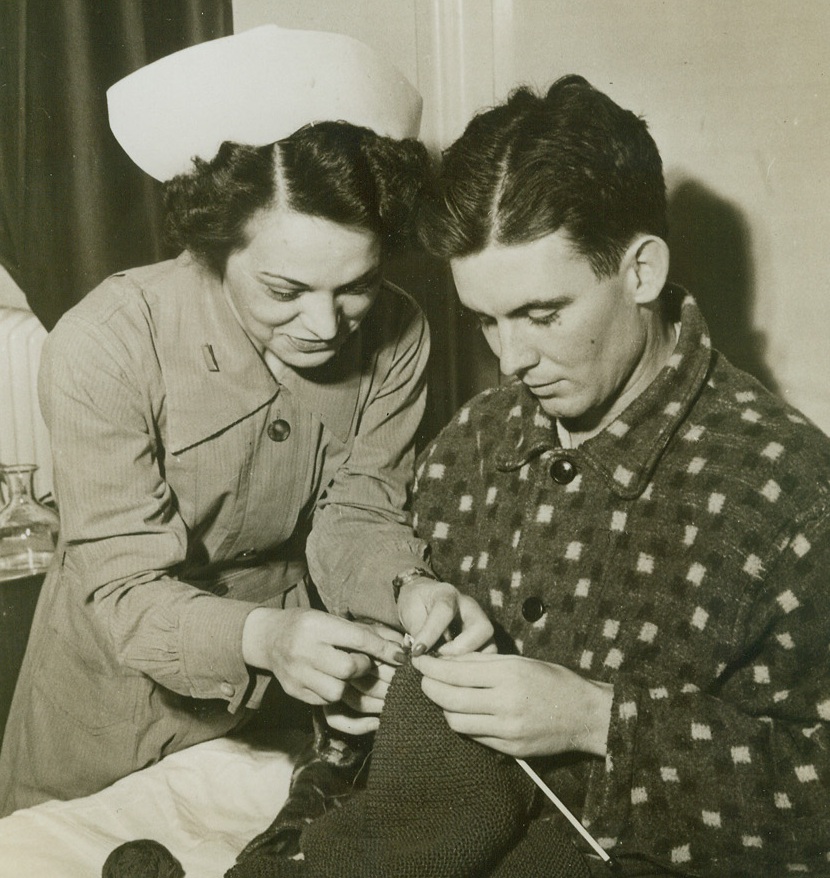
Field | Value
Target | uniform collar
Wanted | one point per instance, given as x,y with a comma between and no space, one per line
214,375
627,451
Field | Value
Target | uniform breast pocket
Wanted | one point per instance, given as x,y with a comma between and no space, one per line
210,483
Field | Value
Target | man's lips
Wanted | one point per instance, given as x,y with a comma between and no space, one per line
548,388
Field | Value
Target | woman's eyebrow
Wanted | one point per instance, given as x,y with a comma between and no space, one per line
369,275
287,280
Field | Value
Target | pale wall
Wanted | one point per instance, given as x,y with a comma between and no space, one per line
11,296
737,95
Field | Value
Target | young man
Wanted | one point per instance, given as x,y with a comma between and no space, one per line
647,526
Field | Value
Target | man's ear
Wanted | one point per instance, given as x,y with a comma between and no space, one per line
646,266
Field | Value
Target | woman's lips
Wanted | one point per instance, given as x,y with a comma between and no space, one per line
309,346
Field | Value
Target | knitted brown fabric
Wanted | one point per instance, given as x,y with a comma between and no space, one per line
436,805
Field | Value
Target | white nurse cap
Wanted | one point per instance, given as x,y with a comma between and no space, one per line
255,87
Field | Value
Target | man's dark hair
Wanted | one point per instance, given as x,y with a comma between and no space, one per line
333,170
571,161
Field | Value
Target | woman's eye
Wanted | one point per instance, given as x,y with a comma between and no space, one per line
364,289
283,295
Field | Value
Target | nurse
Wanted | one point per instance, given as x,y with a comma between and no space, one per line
233,430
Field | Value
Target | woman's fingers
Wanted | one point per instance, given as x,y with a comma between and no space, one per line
342,719
361,703
355,637
371,685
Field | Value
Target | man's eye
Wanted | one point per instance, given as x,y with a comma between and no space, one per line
543,318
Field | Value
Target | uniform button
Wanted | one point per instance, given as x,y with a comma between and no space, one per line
226,689
279,430
245,554
533,609
562,471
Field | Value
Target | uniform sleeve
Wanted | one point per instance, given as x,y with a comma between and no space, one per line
362,535
736,780
120,529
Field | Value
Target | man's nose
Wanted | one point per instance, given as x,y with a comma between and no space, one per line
321,315
515,354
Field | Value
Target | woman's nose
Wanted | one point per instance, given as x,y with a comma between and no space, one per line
321,315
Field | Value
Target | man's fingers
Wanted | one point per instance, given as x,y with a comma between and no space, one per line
473,669
438,619
476,629
473,725
478,635
456,699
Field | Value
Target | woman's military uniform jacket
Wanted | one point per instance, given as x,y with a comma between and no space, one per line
192,487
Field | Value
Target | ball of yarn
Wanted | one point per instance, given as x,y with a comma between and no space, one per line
143,858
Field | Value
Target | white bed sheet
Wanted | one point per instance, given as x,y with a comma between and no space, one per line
204,804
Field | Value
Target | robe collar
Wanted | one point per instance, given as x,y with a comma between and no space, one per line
628,450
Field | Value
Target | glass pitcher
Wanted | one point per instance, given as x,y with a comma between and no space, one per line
28,529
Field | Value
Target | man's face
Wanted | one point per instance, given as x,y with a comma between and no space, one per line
579,343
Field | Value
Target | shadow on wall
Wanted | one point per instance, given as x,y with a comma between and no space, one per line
460,364
710,256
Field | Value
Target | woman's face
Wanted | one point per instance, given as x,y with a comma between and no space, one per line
302,284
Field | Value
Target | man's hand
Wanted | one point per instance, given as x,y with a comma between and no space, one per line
429,609
519,706
313,654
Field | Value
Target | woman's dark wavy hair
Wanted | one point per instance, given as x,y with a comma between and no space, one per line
333,170
571,161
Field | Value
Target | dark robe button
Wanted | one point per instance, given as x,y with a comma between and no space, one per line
279,430
562,471
533,609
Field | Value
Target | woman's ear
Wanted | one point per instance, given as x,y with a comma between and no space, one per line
647,267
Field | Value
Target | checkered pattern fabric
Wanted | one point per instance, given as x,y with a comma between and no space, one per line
683,554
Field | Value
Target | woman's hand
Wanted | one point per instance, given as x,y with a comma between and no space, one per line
359,710
313,654
427,610
519,706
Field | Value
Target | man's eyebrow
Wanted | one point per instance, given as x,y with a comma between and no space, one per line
538,305
524,309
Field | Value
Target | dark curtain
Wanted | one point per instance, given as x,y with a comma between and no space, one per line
73,207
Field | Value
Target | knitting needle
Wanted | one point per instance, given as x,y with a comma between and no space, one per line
564,810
